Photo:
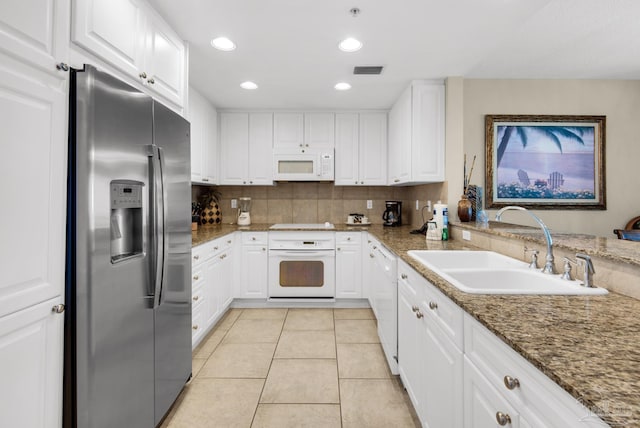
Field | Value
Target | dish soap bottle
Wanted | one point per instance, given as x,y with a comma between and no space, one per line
445,225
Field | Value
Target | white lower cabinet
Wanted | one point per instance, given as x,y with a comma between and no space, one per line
254,263
429,361
349,265
31,366
212,284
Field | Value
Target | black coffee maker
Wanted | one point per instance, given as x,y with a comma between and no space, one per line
392,216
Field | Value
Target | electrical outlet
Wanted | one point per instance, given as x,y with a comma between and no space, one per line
466,235
234,203
369,204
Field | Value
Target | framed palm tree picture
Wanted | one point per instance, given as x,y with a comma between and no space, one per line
545,162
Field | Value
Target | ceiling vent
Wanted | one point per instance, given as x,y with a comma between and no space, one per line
368,69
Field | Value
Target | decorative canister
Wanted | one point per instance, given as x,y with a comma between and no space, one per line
464,209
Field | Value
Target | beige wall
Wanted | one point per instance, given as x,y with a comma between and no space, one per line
619,101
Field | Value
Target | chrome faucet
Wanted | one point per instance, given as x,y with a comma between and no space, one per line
548,266
588,269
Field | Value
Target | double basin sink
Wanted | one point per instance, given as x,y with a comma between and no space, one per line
487,272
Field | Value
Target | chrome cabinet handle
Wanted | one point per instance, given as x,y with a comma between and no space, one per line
151,81
397,180
433,305
338,249
503,418
253,238
205,179
196,257
250,182
404,276
348,238
414,308
356,182
143,75
371,255
419,315
215,248
511,382
62,66
195,298
362,182
196,277
58,309
195,327
264,249
229,241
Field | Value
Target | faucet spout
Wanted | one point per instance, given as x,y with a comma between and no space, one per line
549,267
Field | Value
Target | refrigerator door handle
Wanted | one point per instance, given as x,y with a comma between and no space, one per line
156,202
163,242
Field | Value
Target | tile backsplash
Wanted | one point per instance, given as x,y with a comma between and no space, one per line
312,202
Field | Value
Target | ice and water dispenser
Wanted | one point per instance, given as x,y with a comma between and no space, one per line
126,219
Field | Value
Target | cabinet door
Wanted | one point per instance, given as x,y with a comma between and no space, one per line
442,362
410,360
164,61
400,140
224,286
213,275
427,154
373,149
482,402
348,272
319,130
253,277
36,31
347,158
234,148
260,148
31,367
288,130
114,30
196,119
33,167
210,145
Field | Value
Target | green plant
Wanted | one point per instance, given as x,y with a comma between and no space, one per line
209,197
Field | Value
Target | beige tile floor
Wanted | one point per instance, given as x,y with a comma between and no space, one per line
292,368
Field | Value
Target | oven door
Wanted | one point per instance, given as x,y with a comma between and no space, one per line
300,273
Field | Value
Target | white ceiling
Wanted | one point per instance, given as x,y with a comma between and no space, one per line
289,47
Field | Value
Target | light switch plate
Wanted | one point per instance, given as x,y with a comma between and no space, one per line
369,204
234,203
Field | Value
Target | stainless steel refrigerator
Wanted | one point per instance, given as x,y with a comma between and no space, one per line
128,324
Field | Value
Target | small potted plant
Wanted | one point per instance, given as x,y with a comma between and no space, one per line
211,213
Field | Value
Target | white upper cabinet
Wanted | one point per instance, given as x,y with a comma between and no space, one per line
204,138
303,130
288,130
319,130
416,135
129,35
246,142
361,149
36,31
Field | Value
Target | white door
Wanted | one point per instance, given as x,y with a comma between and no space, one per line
260,153
164,61
346,158
399,146
224,281
31,366
319,130
114,30
210,143
427,155
234,148
36,31
196,119
253,277
213,274
373,149
348,272
288,130
33,168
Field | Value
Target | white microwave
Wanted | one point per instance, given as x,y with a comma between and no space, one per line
303,164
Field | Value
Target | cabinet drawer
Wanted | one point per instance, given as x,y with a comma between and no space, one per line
348,238
197,276
197,296
447,315
197,321
198,254
537,397
255,238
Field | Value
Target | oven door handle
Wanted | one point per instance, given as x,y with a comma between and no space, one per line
301,254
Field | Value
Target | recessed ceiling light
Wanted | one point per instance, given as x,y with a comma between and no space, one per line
342,86
350,45
223,44
248,85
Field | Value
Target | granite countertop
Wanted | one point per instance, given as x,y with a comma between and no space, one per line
614,249
586,344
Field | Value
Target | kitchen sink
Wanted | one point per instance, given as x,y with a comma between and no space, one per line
487,272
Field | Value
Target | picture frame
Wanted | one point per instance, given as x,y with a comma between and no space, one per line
545,161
